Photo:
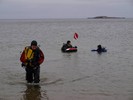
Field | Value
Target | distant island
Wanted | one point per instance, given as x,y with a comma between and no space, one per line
106,17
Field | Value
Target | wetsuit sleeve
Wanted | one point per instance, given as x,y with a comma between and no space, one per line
41,58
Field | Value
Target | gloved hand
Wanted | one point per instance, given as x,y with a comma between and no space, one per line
28,61
36,64
22,65
75,47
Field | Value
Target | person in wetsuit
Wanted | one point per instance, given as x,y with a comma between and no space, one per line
67,45
31,58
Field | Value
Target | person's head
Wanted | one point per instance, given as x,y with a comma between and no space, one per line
68,42
34,44
99,47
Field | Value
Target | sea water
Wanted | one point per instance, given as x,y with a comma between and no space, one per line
83,75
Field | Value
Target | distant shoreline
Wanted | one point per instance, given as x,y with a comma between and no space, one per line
106,17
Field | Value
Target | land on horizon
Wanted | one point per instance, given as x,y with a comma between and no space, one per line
105,17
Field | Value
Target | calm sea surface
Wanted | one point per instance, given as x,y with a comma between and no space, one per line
83,75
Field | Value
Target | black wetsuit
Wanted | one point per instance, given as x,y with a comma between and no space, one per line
65,46
33,70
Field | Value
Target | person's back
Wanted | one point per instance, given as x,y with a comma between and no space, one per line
64,47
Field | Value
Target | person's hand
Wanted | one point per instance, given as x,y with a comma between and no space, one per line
22,65
36,64
28,61
75,47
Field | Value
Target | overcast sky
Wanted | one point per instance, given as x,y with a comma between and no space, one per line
64,8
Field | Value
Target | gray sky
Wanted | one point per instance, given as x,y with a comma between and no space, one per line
64,8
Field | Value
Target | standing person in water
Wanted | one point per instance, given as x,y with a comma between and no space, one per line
31,58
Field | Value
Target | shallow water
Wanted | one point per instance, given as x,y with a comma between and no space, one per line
83,75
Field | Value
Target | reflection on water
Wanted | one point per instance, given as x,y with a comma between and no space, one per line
33,92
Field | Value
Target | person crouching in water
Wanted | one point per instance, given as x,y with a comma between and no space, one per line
31,58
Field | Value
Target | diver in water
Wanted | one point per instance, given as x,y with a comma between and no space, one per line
66,45
101,49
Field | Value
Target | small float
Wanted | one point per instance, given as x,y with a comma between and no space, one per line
73,49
